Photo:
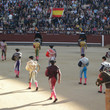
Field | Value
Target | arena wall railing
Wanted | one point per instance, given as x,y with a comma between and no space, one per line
60,39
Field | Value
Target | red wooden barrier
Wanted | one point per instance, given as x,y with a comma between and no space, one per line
54,38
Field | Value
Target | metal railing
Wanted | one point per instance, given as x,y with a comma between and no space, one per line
53,31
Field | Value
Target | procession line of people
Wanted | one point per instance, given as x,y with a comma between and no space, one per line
52,71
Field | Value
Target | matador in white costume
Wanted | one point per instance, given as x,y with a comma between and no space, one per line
33,67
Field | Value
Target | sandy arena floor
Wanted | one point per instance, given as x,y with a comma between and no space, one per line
71,96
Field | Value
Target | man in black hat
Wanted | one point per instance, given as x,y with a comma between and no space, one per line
31,67
3,46
83,63
105,66
108,55
37,47
17,58
51,72
51,53
51,46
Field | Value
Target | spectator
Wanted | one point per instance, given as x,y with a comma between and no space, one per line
90,15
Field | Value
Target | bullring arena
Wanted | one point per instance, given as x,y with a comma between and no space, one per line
14,94
63,23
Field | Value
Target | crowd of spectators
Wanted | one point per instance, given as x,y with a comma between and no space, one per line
22,16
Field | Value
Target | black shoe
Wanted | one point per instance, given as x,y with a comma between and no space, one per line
84,84
29,87
99,91
36,88
79,83
50,98
37,60
55,100
17,76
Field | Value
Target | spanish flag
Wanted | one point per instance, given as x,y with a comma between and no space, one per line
57,12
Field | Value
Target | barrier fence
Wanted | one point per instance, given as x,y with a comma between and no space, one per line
51,37
54,31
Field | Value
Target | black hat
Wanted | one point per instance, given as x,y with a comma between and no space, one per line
83,55
104,57
3,40
31,57
17,49
52,61
51,46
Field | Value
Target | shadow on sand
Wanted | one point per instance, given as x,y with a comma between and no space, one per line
18,91
35,104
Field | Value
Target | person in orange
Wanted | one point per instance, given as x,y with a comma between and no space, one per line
83,45
51,72
51,53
